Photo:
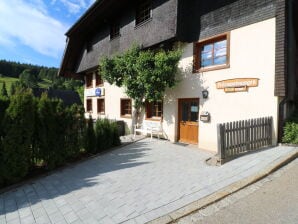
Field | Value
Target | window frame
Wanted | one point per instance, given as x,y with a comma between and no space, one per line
139,20
98,80
87,105
103,107
198,49
122,110
149,111
91,82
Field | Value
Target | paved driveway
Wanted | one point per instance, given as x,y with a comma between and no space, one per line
134,184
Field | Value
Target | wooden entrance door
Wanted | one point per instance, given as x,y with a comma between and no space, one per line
188,128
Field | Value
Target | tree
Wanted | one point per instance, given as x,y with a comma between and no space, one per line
29,80
18,125
13,88
145,74
4,90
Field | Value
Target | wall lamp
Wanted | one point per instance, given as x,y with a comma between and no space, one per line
205,94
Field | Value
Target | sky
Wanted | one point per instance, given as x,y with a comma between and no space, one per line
33,31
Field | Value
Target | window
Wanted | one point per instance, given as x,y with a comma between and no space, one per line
212,54
89,46
99,81
89,105
125,107
89,79
100,106
114,31
143,11
154,110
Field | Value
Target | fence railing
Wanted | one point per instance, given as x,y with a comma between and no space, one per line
235,138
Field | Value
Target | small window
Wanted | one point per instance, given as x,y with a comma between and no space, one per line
154,110
125,107
89,105
99,81
89,46
212,54
100,106
89,79
114,31
143,11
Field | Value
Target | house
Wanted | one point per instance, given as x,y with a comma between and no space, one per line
239,61
68,97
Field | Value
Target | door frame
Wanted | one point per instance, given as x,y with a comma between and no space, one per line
179,115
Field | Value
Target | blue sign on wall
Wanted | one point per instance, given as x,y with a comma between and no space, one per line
98,92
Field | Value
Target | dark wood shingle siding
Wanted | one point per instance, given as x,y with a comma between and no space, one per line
281,48
161,27
208,19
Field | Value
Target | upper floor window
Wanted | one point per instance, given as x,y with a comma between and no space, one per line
89,105
89,79
89,46
212,54
126,107
99,81
114,31
154,110
143,11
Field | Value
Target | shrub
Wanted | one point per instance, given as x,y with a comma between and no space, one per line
18,125
106,132
90,139
291,130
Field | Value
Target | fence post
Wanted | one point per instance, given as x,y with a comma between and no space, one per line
220,139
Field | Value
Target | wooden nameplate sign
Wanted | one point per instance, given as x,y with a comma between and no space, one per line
237,85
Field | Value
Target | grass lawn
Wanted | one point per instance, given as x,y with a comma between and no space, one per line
8,81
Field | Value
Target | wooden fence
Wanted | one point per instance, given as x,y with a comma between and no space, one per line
235,138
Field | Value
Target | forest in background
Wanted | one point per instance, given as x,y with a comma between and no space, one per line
34,76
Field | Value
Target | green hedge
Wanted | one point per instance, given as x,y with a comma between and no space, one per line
291,130
41,132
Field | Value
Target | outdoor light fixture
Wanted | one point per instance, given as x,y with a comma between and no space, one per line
205,94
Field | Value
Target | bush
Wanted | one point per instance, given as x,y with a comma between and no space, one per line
18,124
291,130
89,138
106,133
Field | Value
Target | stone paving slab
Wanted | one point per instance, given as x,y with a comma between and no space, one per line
133,184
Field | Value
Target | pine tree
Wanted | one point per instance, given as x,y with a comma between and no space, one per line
12,89
4,90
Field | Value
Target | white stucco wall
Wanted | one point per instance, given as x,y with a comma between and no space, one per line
252,55
112,96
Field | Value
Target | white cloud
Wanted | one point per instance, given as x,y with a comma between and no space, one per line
75,6
29,23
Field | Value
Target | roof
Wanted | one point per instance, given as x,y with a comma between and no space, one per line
69,97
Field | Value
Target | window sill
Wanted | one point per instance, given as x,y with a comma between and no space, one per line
212,68
126,116
153,119
143,23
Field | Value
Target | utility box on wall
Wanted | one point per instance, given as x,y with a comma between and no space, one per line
205,116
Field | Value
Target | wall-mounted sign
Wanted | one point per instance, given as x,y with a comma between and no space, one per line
237,85
205,116
94,92
98,91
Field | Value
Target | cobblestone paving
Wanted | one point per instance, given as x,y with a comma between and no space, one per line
133,184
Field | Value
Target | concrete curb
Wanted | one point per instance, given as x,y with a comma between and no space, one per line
224,192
